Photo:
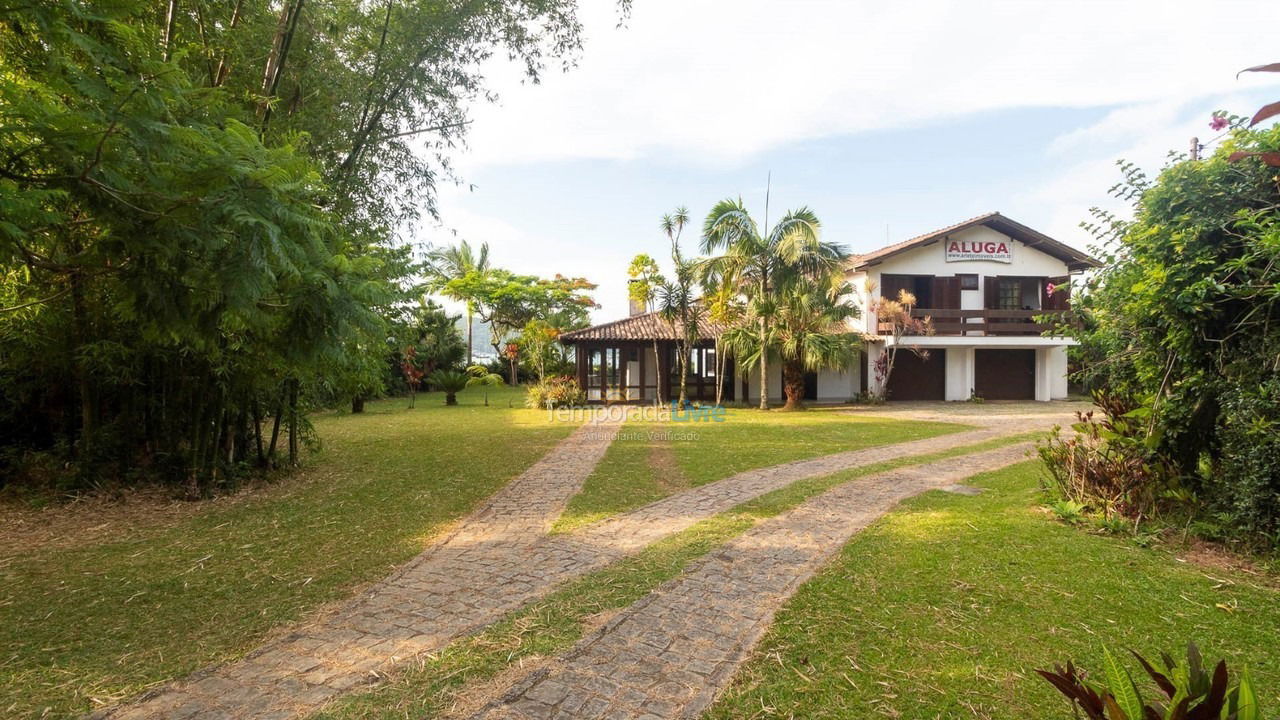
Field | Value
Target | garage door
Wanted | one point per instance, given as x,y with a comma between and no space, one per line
916,378
1005,374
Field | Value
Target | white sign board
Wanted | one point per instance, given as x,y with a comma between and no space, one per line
964,250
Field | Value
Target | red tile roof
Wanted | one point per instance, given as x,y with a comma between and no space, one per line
646,326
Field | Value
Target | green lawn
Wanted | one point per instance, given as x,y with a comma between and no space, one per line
107,619
649,461
943,609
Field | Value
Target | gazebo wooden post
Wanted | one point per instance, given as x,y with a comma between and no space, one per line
664,372
580,354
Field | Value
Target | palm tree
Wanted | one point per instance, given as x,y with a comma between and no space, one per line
453,262
812,330
677,302
763,266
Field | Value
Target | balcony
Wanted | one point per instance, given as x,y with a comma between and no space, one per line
982,322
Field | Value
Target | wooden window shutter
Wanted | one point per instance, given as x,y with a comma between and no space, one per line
1061,297
991,292
946,293
891,284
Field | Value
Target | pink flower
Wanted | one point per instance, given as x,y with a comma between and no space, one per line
1049,288
1218,122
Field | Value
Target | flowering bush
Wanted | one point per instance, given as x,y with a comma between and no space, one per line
559,391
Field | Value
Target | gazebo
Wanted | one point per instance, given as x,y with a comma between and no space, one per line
616,361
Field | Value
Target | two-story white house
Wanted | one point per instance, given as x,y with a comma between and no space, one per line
983,283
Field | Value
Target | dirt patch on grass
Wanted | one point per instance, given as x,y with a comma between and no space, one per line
667,472
1213,557
117,514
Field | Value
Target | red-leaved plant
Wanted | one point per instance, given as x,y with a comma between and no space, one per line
1189,692
1270,157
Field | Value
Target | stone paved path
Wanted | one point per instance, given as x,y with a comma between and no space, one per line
497,561
445,592
670,654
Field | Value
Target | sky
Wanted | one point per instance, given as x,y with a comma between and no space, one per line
886,119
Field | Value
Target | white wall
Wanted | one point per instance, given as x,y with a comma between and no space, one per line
834,386
959,372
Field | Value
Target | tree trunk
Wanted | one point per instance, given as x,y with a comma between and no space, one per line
171,21
257,432
450,398
793,384
470,355
764,365
684,376
357,404
275,429
293,422
515,377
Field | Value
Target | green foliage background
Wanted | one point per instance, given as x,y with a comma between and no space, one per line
1184,321
200,205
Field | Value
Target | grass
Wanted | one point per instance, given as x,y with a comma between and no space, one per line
944,607
649,461
477,667
106,619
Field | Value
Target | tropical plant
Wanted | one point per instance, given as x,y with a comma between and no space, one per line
1190,693
454,262
479,376
412,373
813,330
538,343
897,314
762,265
451,382
561,391
677,300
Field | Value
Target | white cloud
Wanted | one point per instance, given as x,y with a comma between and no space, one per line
717,81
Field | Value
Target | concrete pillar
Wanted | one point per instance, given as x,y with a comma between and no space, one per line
874,350
1044,382
1058,372
960,364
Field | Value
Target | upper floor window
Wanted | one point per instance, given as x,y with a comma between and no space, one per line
1010,297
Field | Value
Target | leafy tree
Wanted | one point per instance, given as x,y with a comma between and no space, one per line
763,265
644,279
506,302
200,209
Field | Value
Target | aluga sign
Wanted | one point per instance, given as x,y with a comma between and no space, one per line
962,250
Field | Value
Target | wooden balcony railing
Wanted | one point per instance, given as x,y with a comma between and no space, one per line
981,322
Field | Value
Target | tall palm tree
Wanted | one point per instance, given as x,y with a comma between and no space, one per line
764,265
453,262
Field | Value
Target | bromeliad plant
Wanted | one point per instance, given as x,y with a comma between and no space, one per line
1189,692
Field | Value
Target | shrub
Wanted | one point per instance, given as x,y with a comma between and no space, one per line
1106,464
559,391
1189,692
451,382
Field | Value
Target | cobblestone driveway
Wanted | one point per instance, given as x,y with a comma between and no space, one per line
670,654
